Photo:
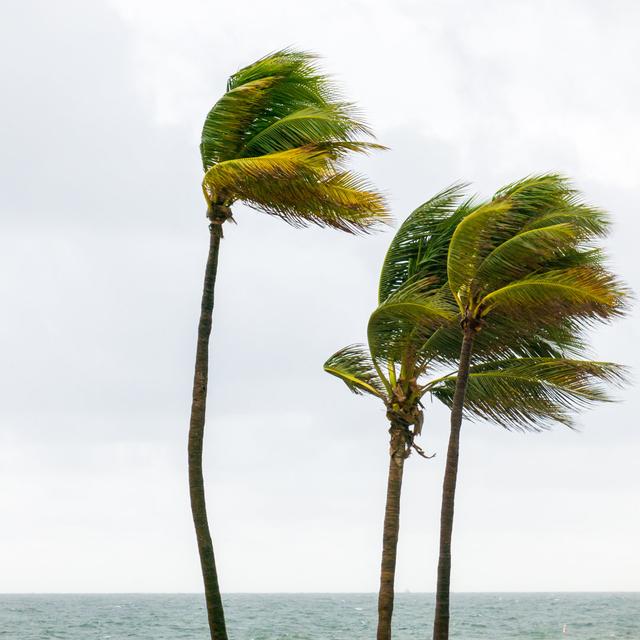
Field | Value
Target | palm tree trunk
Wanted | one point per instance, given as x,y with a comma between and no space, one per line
441,622
213,599
390,535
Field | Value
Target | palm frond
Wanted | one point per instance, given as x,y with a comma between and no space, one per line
299,70
418,246
258,95
309,125
502,338
583,294
590,222
311,160
523,254
532,393
344,201
494,245
538,194
354,366
474,238
285,102
226,123
406,319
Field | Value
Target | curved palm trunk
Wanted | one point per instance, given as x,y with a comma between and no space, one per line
390,535
215,611
441,622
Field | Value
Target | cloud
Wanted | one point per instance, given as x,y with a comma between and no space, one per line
102,249
80,142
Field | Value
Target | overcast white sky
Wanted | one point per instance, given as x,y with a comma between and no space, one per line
102,249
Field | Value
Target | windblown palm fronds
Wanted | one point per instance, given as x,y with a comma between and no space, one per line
278,141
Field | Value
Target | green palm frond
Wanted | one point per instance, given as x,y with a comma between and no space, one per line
299,73
590,222
225,126
502,338
422,241
538,194
474,238
532,393
308,125
558,238
354,366
523,254
406,319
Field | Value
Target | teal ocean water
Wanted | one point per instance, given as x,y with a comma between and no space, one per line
498,616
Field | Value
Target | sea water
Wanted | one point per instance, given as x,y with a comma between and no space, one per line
486,616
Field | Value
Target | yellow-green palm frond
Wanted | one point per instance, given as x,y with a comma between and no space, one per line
354,366
343,200
278,140
311,162
531,393
583,294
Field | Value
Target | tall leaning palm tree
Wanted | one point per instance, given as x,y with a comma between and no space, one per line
522,384
524,263
276,141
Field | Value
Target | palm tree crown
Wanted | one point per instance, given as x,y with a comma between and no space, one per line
277,140
529,257
520,379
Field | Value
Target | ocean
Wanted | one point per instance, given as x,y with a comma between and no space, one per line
486,616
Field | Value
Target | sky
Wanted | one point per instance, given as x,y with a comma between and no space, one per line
103,242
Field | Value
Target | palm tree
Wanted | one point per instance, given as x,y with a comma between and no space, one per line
277,141
522,384
524,263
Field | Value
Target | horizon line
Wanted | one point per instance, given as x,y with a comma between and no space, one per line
290,593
